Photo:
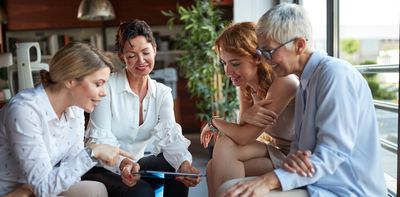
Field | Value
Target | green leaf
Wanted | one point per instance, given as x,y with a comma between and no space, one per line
201,25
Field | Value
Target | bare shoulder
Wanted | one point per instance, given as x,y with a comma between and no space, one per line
287,84
281,92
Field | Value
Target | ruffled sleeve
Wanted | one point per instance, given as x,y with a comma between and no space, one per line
169,140
99,128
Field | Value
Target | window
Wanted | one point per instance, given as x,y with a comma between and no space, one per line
317,14
368,35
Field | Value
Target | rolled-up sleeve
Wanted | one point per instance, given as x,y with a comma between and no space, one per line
168,139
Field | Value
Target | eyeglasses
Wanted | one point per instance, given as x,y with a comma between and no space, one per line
268,53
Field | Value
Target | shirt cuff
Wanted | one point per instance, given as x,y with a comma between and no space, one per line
115,167
84,156
291,180
177,161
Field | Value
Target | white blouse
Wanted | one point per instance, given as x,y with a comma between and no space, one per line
115,121
38,148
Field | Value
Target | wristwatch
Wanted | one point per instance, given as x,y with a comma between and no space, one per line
211,126
89,151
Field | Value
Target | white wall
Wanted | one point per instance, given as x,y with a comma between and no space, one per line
250,10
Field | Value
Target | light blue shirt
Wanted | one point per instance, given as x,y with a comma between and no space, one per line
335,119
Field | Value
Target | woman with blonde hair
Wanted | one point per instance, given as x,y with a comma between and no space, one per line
42,129
266,105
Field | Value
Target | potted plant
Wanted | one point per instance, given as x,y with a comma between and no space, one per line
202,23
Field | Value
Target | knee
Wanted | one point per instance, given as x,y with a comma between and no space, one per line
101,190
230,183
223,144
225,186
93,189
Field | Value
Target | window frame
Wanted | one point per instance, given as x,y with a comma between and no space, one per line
333,49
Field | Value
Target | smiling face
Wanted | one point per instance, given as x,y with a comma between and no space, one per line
282,60
139,56
240,69
89,90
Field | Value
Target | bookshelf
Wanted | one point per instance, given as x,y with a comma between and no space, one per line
166,58
51,40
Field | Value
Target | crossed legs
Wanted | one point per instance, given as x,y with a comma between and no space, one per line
231,160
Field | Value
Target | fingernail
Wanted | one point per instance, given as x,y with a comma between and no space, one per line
303,174
312,170
310,175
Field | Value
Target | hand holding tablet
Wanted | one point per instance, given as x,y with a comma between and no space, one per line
152,173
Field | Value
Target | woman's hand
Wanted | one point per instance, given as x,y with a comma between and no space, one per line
189,181
129,172
108,154
258,186
258,115
206,136
299,162
24,190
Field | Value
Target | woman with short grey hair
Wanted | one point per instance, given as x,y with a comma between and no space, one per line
336,143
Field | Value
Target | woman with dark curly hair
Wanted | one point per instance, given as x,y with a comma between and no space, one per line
138,112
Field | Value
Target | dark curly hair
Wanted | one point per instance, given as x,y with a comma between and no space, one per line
131,29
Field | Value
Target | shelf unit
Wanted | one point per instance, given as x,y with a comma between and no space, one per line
51,40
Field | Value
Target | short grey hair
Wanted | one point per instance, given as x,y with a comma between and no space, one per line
284,22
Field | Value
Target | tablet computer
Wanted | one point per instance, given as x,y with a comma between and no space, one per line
163,174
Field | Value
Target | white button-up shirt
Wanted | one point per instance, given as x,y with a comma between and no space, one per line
115,121
38,148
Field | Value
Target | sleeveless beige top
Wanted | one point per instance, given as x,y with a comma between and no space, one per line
283,129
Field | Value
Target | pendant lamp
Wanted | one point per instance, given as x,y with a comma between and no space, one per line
95,10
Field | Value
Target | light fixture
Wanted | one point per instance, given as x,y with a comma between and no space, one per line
96,10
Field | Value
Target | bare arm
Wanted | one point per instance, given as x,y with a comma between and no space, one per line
244,105
281,92
254,112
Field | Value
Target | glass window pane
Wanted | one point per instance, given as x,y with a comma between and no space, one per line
369,31
370,35
317,14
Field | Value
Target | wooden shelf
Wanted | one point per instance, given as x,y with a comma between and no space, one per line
56,14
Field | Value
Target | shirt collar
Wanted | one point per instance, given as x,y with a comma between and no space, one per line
123,84
49,112
310,67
